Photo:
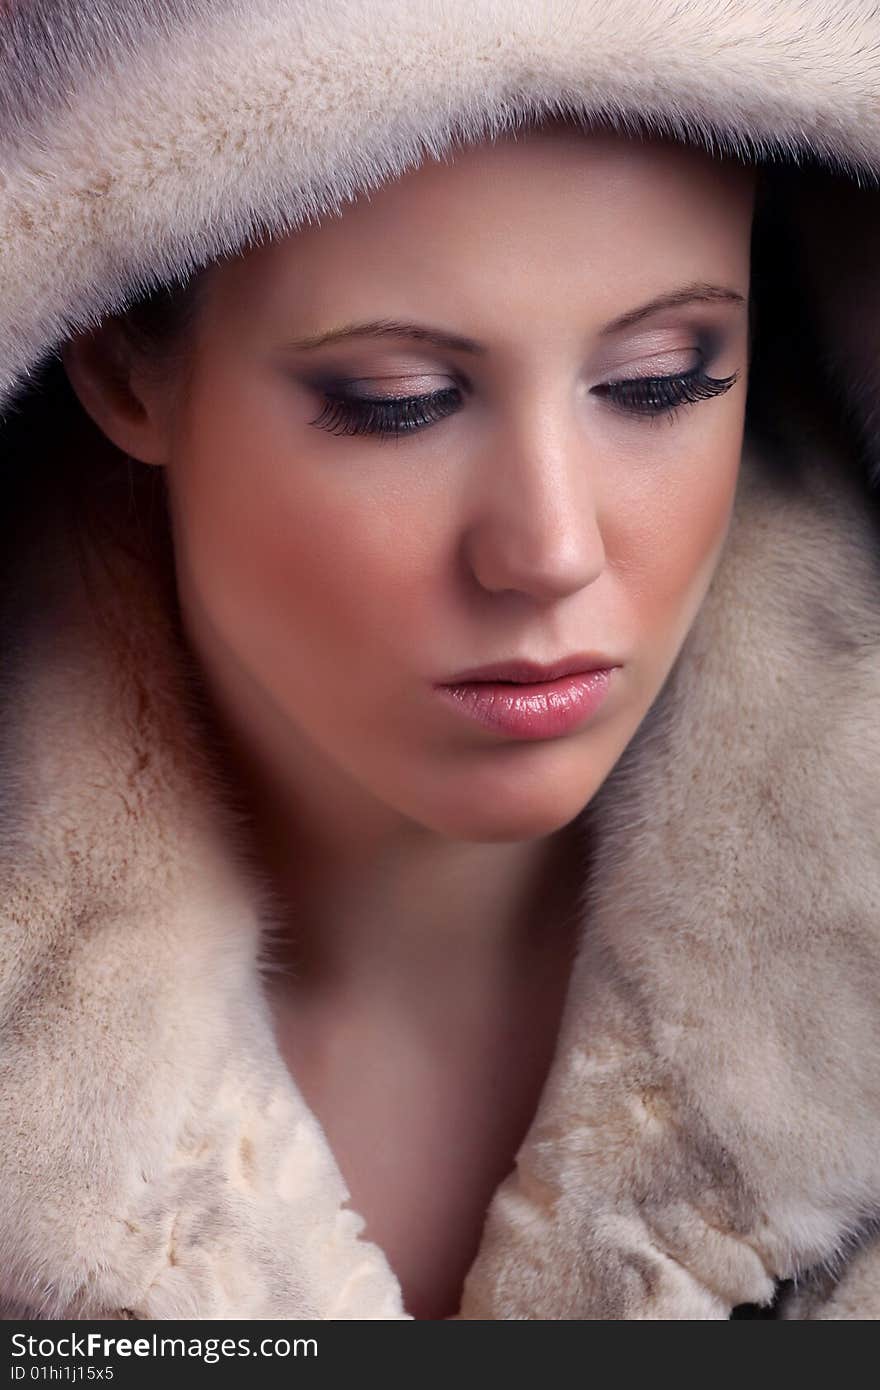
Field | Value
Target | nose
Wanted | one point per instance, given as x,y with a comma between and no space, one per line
537,526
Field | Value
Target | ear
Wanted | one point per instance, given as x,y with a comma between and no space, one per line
128,405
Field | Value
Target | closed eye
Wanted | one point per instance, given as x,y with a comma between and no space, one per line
385,416
656,395
388,415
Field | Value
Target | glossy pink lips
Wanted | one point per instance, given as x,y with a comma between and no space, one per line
542,710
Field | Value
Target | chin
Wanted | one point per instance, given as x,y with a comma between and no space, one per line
507,818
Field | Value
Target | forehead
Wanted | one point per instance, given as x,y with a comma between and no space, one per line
535,216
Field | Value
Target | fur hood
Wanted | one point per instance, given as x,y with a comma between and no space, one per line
709,1132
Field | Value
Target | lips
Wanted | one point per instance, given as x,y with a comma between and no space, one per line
523,672
534,709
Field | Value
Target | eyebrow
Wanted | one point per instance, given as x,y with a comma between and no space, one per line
688,294
456,342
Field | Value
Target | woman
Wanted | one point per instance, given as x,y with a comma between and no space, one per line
314,932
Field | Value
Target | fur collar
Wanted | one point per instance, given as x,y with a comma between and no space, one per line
158,1160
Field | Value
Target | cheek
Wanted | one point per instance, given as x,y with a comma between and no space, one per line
665,535
298,556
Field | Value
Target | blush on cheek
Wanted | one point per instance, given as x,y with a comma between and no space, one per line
676,554
297,600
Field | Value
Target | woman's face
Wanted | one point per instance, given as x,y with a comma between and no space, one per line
329,580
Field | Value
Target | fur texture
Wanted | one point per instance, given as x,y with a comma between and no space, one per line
711,1122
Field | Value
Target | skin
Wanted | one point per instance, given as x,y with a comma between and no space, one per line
326,581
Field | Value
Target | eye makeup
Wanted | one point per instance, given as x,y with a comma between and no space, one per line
384,416
664,394
348,414
348,411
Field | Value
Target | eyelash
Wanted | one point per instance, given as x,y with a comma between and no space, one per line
646,396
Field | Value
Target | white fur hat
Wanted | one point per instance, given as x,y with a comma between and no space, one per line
141,140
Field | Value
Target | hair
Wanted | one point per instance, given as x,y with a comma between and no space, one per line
49,442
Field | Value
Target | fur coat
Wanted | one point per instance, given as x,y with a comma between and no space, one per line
708,1135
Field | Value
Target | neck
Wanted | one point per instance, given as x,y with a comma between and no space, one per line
420,913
